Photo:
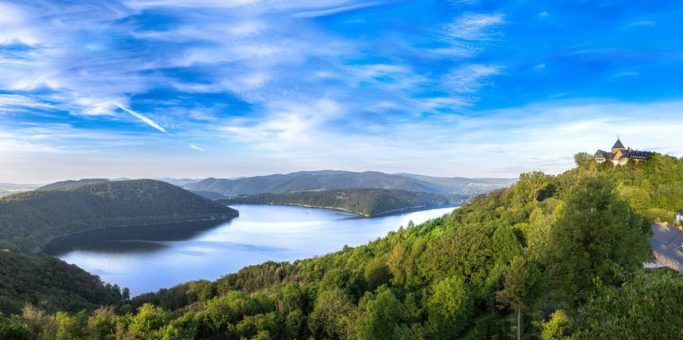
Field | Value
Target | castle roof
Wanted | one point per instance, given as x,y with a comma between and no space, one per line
635,154
603,154
618,145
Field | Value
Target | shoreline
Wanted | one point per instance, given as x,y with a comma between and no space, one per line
41,248
359,214
350,219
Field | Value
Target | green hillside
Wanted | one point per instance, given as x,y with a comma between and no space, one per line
552,257
29,220
366,202
330,179
50,284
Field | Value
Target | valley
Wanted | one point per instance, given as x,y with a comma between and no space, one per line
146,259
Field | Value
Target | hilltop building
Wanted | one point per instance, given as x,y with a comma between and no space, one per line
620,154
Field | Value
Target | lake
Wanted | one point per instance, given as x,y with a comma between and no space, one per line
148,258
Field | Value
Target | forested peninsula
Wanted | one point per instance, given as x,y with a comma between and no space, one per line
552,257
365,202
29,220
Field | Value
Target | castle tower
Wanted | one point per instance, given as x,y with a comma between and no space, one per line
617,146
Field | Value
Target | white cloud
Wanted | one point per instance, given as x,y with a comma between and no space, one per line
288,125
17,143
304,135
469,78
13,102
474,26
542,136
143,4
141,117
96,106
14,26
195,147
336,10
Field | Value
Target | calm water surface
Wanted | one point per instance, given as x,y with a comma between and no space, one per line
148,258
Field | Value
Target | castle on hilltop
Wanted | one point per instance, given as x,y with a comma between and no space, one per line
620,154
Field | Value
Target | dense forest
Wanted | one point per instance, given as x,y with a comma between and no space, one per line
29,220
366,202
331,179
552,257
50,284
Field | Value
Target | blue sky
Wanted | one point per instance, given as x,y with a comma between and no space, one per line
225,88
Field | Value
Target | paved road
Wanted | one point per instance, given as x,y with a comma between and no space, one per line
665,244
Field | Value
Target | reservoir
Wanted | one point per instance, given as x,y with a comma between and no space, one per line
148,258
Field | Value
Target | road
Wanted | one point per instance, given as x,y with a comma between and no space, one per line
665,244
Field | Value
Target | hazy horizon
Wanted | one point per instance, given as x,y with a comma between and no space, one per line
114,178
212,88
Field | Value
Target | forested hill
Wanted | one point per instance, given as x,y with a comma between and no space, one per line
50,284
71,184
552,257
29,220
366,202
329,179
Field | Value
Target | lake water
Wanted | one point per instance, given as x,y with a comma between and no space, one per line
149,258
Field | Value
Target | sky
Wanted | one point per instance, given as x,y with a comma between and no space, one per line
227,88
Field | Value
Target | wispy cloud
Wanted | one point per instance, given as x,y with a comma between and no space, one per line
286,126
475,26
469,78
13,103
281,85
15,26
541,136
194,147
336,10
141,117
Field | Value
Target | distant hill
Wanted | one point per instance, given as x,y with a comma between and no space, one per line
209,194
70,184
11,188
466,186
330,179
49,284
366,202
178,181
31,219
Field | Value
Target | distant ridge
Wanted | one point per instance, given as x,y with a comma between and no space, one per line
29,220
178,181
365,202
334,179
70,184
